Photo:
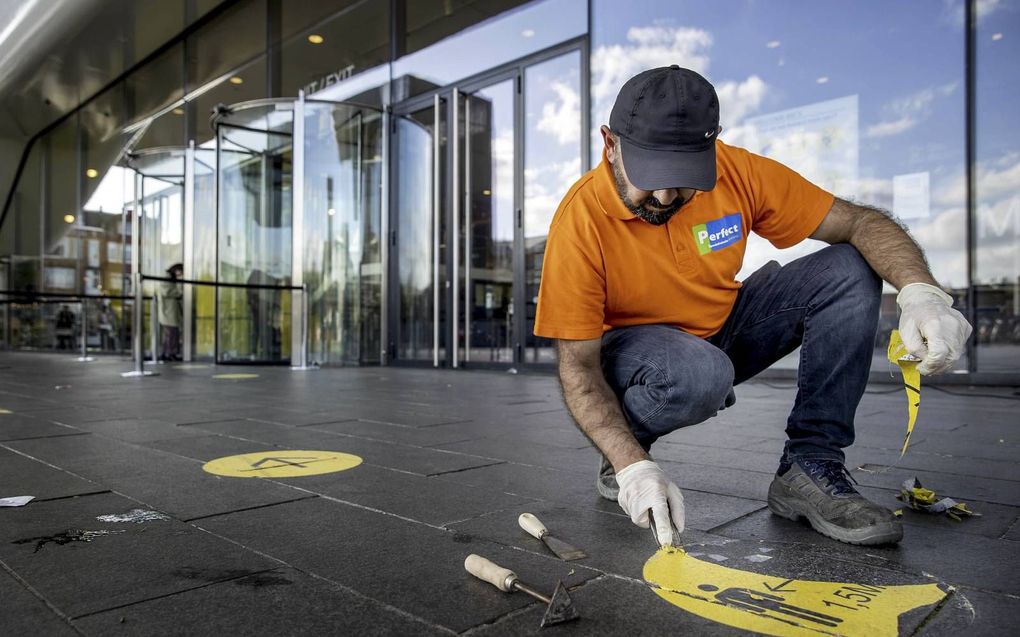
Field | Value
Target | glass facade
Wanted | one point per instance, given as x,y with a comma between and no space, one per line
412,200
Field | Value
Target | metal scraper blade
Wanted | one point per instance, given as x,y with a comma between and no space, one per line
561,608
563,550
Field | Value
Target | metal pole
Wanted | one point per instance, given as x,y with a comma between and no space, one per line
298,315
84,358
468,287
154,329
189,249
455,202
435,230
384,232
136,283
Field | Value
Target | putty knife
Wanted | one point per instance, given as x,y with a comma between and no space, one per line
564,551
560,607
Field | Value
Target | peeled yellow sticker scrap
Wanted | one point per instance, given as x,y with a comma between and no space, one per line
899,355
778,606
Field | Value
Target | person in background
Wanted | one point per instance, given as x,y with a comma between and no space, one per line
65,328
171,313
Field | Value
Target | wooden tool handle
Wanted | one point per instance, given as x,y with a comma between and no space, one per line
488,571
532,525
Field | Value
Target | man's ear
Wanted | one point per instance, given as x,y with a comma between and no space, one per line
610,142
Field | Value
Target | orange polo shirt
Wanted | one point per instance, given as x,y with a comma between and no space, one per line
606,268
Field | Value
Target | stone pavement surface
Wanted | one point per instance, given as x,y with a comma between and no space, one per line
450,459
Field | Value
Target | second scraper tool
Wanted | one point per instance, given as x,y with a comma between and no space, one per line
564,551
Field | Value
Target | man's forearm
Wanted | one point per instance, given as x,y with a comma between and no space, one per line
889,249
597,413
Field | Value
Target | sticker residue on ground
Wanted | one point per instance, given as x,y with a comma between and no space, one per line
282,464
778,606
137,516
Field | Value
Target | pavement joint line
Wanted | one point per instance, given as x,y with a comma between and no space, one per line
69,497
31,589
446,473
329,422
251,508
715,529
1011,526
950,594
171,594
343,587
67,435
495,621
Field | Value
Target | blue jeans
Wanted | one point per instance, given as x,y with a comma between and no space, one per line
826,302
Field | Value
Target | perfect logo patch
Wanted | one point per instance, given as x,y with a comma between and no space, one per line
716,235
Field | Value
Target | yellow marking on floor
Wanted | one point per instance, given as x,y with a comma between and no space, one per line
6,411
779,606
235,376
282,464
899,355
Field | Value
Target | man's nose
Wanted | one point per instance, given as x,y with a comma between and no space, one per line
666,197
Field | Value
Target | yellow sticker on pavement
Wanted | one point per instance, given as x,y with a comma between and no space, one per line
282,464
235,376
899,355
778,606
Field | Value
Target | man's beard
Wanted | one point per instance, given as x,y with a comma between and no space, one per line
647,209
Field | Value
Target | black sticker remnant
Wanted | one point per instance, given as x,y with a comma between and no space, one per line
60,539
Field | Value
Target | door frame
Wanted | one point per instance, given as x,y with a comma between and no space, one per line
452,202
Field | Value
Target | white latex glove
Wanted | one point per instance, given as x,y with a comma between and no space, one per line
930,328
643,487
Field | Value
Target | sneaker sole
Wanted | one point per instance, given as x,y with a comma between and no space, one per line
889,533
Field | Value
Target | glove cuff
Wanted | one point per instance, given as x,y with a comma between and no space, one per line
635,467
913,291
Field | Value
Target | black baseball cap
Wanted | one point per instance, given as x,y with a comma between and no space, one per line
667,119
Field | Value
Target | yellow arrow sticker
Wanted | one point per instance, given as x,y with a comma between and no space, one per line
778,606
282,464
899,355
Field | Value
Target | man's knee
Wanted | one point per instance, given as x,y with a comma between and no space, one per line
851,269
692,391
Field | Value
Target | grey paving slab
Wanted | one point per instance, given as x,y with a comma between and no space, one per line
407,495
994,522
21,426
418,460
956,558
529,453
206,447
1013,532
24,476
611,606
983,614
416,568
170,483
417,436
137,429
25,614
138,562
70,415
278,602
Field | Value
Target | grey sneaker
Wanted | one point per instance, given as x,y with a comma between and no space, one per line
606,480
818,490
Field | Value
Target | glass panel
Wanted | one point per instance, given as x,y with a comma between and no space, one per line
203,267
413,221
255,165
495,40
232,38
333,52
862,111
342,265
155,85
997,277
248,83
489,223
552,163
63,227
